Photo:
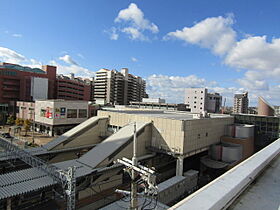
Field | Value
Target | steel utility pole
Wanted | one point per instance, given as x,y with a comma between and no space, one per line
33,127
134,202
133,168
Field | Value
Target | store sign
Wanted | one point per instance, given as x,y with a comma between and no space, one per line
49,113
62,112
57,113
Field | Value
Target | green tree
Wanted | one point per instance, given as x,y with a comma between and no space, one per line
26,125
19,122
10,120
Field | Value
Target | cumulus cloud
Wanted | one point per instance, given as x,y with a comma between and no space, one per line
172,88
255,53
10,56
68,69
134,34
214,33
68,59
113,33
17,35
134,59
68,66
72,67
135,24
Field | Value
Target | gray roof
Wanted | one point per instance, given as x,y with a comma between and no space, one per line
28,180
264,193
74,132
110,145
167,114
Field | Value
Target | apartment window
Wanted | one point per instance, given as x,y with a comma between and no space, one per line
201,91
71,113
206,134
82,113
200,107
195,97
198,136
200,103
195,102
194,107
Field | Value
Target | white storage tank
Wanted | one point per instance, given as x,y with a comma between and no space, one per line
231,153
244,131
230,130
216,152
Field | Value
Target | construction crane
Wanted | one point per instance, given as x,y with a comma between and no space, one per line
66,178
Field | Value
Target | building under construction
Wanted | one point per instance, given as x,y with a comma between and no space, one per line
82,162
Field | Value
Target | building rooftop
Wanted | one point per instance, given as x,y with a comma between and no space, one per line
165,114
252,184
21,68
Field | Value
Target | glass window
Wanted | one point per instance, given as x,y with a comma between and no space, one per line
72,113
82,113
43,112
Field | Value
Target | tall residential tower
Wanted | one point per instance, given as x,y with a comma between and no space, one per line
241,102
113,87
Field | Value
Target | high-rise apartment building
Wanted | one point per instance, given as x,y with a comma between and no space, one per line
241,103
199,100
74,88
113,87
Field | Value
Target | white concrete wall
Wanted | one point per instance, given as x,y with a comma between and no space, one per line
39,88
57,118
176,135
196,98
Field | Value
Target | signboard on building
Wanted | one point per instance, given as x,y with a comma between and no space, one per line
62,112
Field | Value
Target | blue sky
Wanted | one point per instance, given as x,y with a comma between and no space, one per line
227,46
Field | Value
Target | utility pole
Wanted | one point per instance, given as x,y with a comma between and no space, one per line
133,168
33,127
133,172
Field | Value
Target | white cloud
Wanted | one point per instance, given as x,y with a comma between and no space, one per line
17,35
172,88
81,55
68,59
136,17
255,53
134,34
72,67
113,34
253,84
136,23
10,56
133,59
67,69
214,33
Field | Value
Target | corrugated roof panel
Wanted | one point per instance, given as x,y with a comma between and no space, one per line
103,150
72,132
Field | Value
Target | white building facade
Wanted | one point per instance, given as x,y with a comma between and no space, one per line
199,100
58,116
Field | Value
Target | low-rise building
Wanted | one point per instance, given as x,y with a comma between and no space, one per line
199,100
25,110
58,116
